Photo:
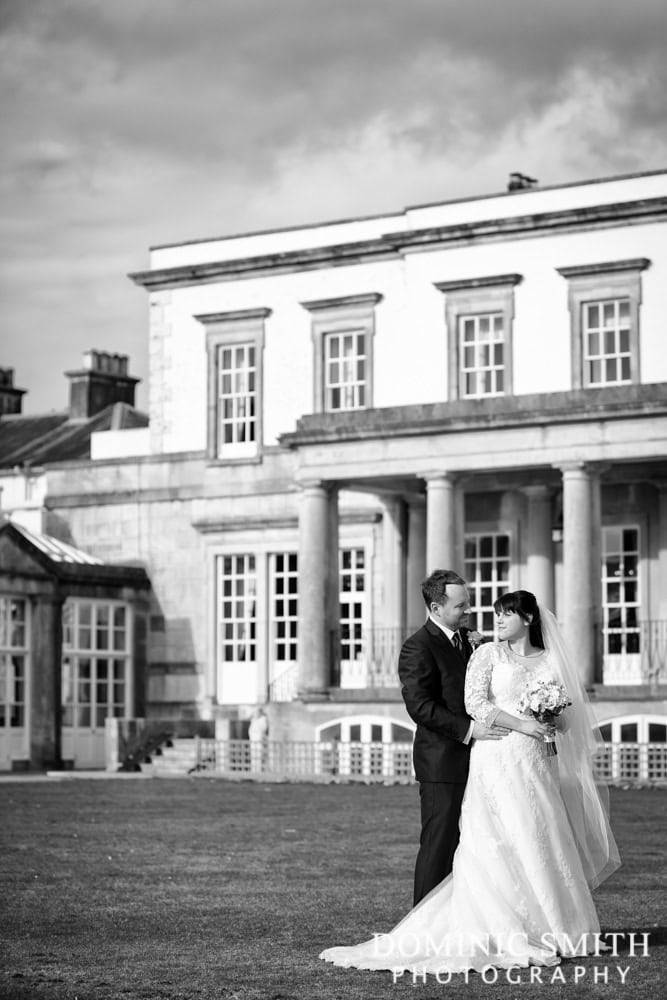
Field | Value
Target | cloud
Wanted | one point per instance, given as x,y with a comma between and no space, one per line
141,122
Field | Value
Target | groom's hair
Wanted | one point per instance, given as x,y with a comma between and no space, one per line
434,587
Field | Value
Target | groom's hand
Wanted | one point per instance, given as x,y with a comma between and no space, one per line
482,732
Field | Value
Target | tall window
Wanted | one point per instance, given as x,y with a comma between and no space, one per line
13,662
235,344
352,576
96,662
620,590
284,578
237,623
345,368
342,333
479,314
237,396
604,302
606,331
482,353
487,571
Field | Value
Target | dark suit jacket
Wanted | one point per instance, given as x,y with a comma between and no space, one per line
432,675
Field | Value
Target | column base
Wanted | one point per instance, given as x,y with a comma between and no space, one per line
313,695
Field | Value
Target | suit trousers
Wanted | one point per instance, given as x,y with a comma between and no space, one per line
440,813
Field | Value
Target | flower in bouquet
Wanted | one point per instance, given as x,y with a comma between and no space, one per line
545,700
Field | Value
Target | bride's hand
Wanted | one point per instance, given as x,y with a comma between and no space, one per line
538,730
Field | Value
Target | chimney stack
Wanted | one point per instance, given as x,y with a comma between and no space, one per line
11,398
103,380
520,182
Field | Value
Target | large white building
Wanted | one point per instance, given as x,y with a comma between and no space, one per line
338,409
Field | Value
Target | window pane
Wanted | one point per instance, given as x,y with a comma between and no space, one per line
609,341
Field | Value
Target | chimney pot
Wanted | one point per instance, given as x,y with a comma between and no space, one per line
102,382
11,398
521,182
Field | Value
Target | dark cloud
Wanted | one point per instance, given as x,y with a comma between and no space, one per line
135,122
232,78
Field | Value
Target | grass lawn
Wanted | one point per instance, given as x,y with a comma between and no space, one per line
200,889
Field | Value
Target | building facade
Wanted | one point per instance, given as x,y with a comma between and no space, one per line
337,410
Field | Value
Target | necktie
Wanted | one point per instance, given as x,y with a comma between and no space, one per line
458,644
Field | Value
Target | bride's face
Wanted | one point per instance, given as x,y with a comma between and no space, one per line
510,625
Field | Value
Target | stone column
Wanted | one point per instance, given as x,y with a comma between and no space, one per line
440,521
659,608
538,546
416,564
46,682
315,576
580,602
393,563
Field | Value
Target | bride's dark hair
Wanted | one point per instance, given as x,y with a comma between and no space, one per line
525,605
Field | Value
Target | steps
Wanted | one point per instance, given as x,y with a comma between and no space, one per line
175,760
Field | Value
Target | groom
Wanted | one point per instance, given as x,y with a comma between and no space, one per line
432,668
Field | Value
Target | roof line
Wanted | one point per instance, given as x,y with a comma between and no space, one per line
408,208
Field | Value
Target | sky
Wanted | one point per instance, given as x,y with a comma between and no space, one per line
132,123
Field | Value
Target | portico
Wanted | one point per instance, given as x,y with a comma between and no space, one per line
535,469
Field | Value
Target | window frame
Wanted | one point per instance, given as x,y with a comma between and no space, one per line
466,297
472,569
350,314
15,711
597,283
118,672
234,329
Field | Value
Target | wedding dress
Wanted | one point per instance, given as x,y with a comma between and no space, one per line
518,894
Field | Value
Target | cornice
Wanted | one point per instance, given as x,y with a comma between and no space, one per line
236,316
391,246
370,299
470,284
586,217
607,267
312,259
575,406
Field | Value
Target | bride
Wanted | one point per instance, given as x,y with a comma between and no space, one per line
535,837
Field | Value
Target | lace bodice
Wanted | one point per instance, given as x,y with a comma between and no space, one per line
495,679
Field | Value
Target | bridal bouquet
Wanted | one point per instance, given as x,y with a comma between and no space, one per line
545,699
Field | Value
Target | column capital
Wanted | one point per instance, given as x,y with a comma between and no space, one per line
583,468
314,485
433,476
538,492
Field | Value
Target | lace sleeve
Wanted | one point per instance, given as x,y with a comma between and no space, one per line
478,678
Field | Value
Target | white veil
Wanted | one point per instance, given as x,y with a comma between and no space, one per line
586,803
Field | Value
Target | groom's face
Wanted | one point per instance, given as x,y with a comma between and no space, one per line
456,607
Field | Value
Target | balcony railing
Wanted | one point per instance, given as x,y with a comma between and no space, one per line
368,659
326,759
641,656
387,762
